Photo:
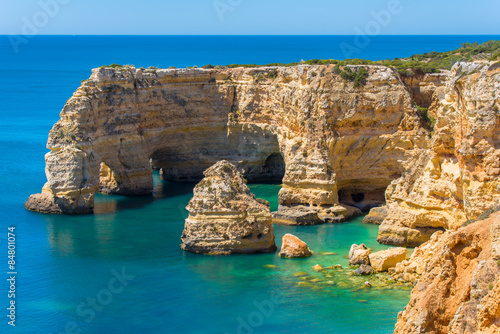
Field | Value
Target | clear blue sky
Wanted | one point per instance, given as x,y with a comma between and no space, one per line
234,17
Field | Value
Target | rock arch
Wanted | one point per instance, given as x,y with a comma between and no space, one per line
303,124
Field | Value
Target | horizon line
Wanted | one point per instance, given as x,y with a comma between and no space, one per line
263,35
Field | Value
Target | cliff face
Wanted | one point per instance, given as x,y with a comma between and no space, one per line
225,218
458,289
457,177
326,140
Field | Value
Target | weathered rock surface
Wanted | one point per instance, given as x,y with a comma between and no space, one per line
376,215
383,260
225,218
305,125
457,177
293,247
458,289
359,254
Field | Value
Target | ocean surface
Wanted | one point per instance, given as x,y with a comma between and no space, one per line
125,259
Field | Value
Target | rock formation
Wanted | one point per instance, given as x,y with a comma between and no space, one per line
458,289
383,260
376,215
363,270
359,254
325,140
457,177
293,247
225,218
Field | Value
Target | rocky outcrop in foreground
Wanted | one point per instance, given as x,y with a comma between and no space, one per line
225,218
458,289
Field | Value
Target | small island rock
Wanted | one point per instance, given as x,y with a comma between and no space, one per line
225,218
293,247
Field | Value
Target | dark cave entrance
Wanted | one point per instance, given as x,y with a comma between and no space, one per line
271,171
274,167
363,199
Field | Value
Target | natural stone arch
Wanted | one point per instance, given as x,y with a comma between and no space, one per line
125,117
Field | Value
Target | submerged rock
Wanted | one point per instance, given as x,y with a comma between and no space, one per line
383,260
225,218
359,254
293,247
318,267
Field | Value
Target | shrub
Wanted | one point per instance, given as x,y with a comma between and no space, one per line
112,66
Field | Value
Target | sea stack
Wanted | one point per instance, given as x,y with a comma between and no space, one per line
224,216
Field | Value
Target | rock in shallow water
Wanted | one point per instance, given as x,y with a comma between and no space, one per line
383,260
293,247
359,254
363,270
225,218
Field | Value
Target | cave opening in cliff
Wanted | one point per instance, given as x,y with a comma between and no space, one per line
363,198
272,170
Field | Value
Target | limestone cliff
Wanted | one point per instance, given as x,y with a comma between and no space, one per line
458,176
225,218
326,140
458,289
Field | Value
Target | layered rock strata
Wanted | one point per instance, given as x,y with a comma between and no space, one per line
324,139
457,177
225,218
458,275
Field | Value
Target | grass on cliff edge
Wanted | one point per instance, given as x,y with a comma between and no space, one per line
432,62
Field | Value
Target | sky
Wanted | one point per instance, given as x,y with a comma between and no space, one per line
249,17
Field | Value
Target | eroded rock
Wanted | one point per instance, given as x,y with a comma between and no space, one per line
317,134
457,176
225,218
383,260
293,247
359,254
457,283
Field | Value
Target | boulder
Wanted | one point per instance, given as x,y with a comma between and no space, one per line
363,270
359,254
225,218
383,260
293,247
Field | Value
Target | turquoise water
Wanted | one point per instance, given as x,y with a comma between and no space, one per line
178,292
64,261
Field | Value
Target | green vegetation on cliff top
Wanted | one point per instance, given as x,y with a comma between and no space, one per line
432,62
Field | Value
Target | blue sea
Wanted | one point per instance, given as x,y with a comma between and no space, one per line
121,270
